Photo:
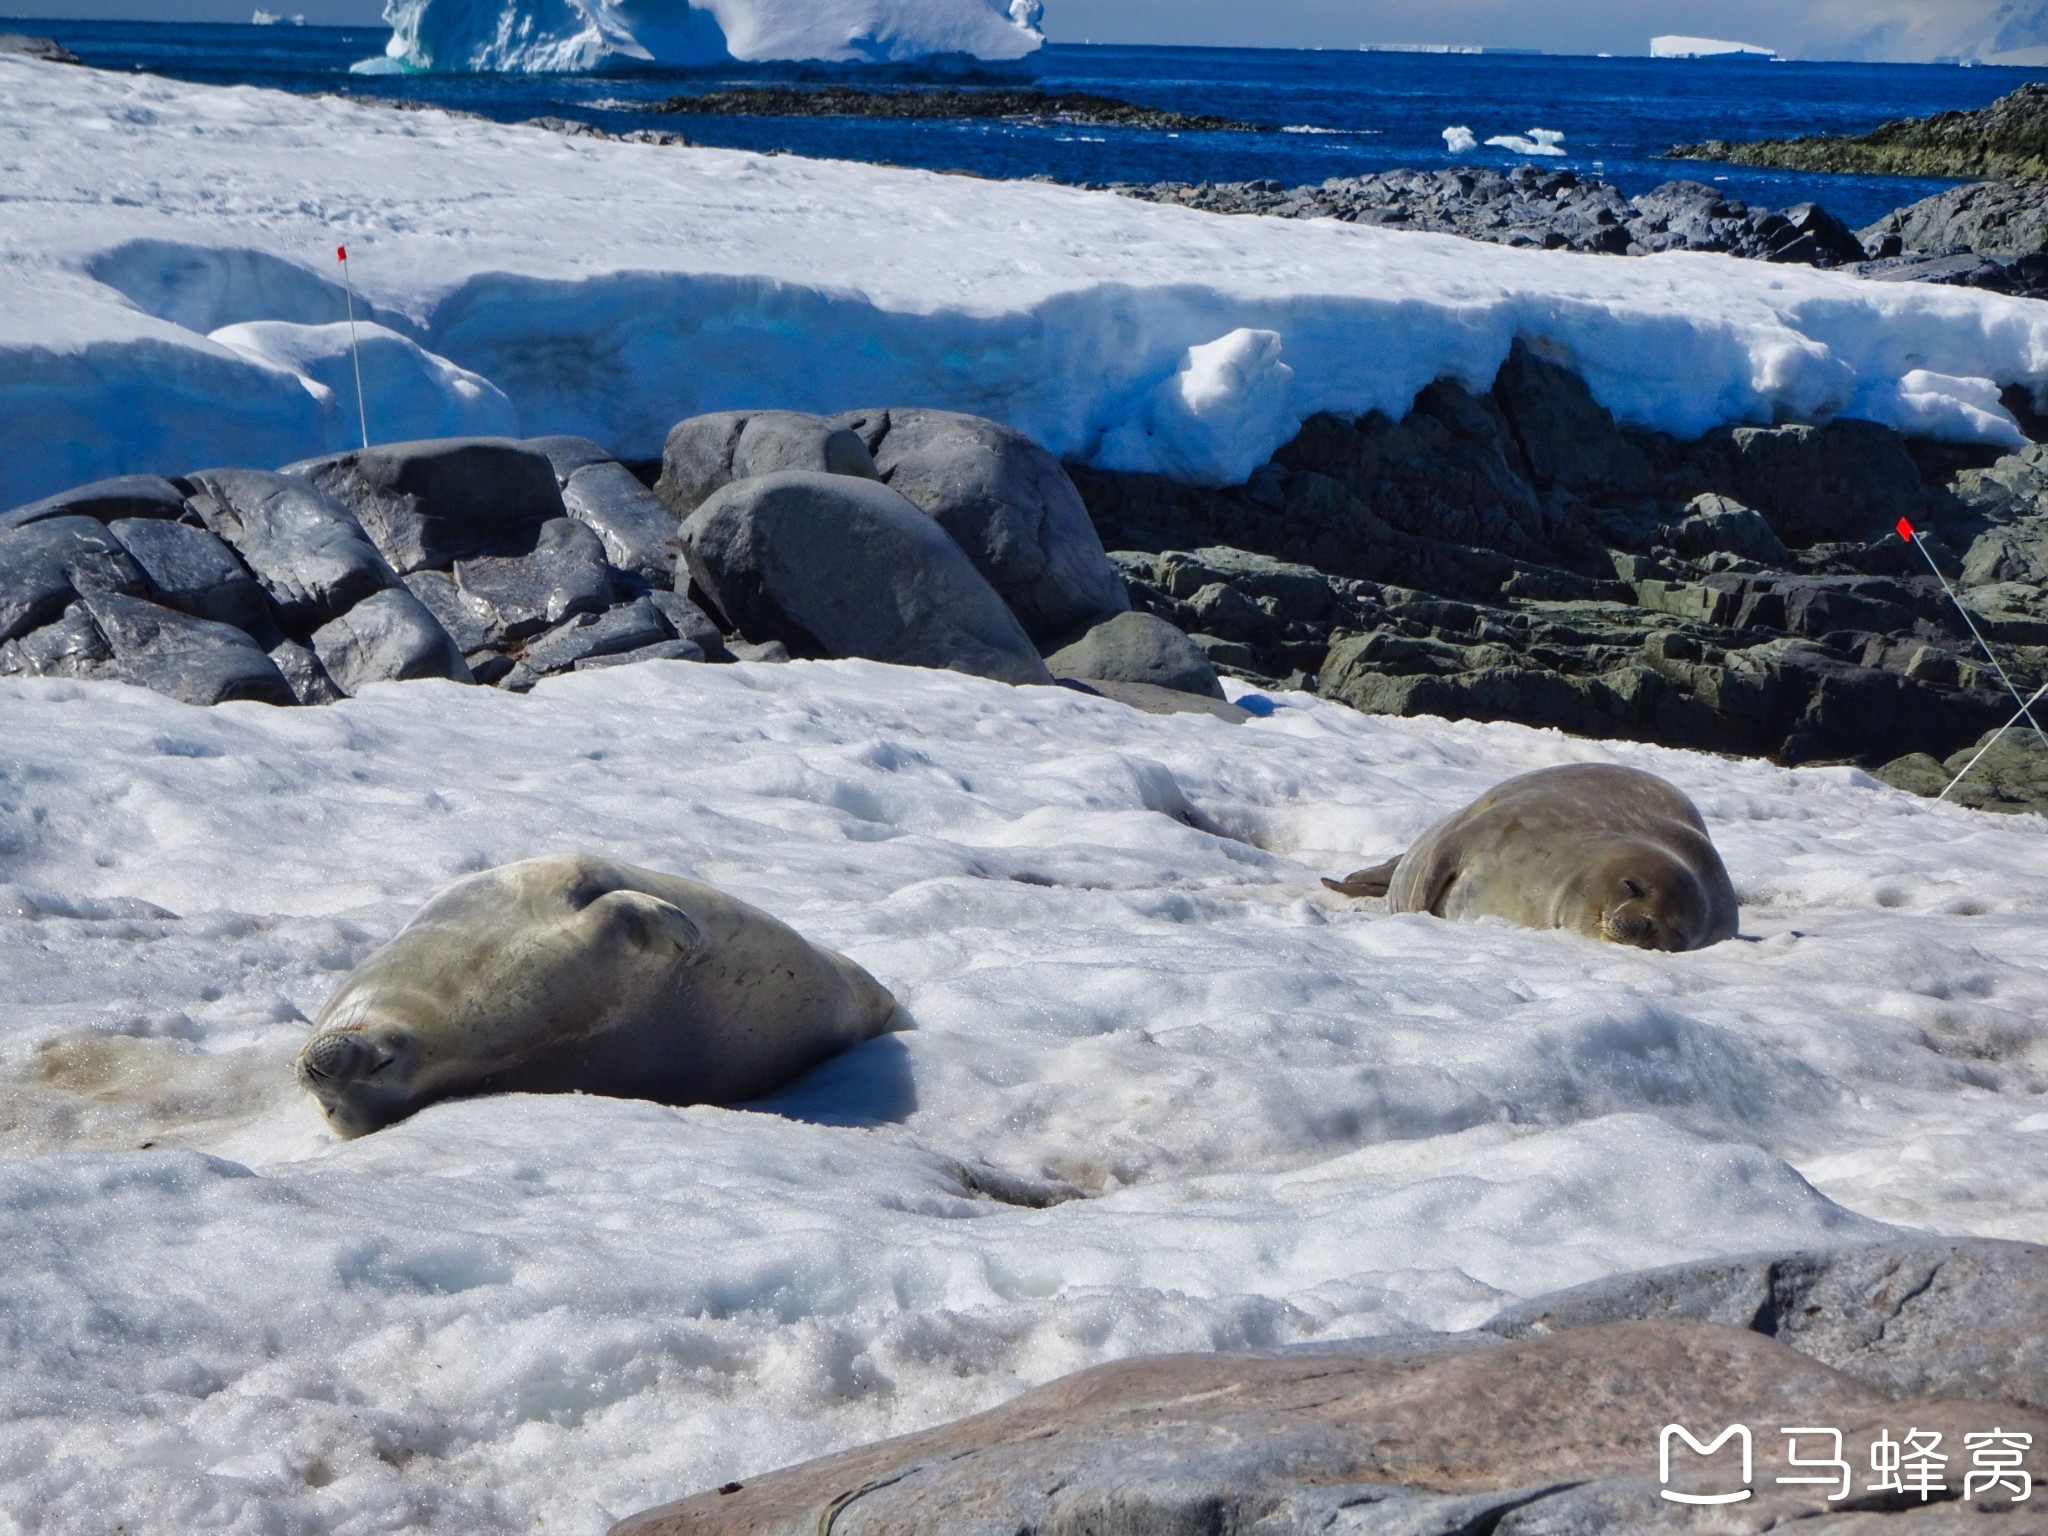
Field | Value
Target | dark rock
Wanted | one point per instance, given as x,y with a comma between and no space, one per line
193,660
387,637
1719,523
308,553
519,596
70,646
630,627
303,674
1008,504
1844,480
1987,218
833,565
1567,437
1137,648
566,454
47,563
471,625
638,530
665,650
1421,1437
925,102
104,500
705,453
691,623
48,49
192,571
428,504
1926,1317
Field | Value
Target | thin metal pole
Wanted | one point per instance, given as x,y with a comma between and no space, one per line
356,352
1996,738
2026,706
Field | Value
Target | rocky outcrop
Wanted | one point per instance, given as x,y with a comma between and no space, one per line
1516,556
1550,1420
48,49
835,565
426,504
924,104
1540,210
2007,138
705,453
1137,648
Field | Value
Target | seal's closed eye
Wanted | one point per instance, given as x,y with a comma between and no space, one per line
1635,887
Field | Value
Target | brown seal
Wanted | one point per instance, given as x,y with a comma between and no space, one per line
1611,852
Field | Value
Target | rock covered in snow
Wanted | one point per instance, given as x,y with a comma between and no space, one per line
834,565
551,38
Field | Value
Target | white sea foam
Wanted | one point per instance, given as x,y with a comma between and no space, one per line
1293,1117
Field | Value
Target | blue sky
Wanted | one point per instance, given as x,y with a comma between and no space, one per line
1824,28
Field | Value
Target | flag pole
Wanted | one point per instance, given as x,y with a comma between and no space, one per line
1997,736
356,352
1906,532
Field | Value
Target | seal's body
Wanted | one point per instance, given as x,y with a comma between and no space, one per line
1610,852
575,974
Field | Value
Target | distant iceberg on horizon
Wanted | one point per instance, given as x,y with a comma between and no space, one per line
582,36
1676,46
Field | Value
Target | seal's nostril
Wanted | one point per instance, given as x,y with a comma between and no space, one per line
331,1058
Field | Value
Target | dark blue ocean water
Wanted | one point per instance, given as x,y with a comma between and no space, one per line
1370,111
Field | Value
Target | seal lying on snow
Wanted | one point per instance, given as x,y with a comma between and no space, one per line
1610,852
575,974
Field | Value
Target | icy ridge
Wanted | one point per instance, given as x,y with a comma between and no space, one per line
577,36
1113,332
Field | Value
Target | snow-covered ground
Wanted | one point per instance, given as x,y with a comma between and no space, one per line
612,289
1293,1116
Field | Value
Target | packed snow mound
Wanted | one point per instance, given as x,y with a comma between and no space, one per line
1291,1116
692,280
577,36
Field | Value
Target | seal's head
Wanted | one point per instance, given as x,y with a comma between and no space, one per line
1639,893
363,1077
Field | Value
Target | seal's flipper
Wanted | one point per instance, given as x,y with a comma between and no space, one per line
647,922
1366,882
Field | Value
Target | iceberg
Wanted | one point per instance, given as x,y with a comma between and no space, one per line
1678,47
581,36
1538,141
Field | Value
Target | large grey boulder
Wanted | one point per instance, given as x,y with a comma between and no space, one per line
1404,1437
1009,504
520,595
195,661
638,529
705,453
46,564
104,500
192,571
307,551
1137,648
388,637
428,504
832,565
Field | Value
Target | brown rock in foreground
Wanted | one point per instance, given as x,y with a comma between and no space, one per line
1555,1434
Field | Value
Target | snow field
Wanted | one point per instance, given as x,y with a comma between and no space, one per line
612,289
1289,1116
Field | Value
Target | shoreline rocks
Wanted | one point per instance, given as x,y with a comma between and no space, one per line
1082,107
1548,1419
2008,138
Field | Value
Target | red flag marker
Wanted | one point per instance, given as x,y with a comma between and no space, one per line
355,352
1905,530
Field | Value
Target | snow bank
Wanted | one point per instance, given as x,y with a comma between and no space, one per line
573,36
611,289
1293,1117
